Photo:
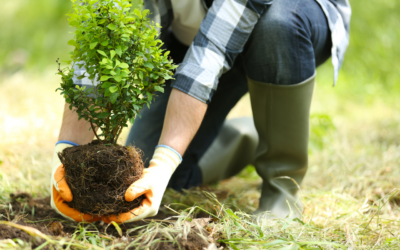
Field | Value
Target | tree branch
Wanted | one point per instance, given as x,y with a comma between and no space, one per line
118,134
94,131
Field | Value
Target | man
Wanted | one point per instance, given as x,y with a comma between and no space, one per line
270,49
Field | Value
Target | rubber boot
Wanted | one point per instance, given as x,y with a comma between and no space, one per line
232,150
281,117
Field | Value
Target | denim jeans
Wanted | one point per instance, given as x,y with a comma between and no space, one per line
289,41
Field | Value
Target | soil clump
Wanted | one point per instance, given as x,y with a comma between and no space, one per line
99,174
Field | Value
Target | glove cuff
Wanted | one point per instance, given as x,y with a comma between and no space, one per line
166,155
173,150
67,142
60,146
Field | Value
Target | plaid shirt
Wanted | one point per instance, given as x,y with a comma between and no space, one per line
224,32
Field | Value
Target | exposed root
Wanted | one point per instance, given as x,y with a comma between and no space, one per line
99,175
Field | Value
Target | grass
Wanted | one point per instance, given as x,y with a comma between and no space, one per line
350,192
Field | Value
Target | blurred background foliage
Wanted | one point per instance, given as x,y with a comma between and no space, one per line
371,68
35,33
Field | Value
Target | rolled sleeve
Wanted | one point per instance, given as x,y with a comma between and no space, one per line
195,81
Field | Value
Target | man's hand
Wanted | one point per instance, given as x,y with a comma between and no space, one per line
61,193
152,184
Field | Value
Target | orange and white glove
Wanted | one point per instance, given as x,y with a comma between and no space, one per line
153,183
61,193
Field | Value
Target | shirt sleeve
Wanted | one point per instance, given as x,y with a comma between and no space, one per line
222,36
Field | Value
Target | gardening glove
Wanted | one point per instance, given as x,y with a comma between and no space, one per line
153,183
60,192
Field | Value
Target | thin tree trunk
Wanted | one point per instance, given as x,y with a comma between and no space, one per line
94,131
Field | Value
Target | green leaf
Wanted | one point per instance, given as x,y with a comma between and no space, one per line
112,53
102,53
132,120
71,42
113,97
118,50
106,84
141,75
145,12
73,22
113,89
123,65
118,78
105,43
93,45
104,78
81,76
149,96
137,13
148,65
103,115
112,26
160,89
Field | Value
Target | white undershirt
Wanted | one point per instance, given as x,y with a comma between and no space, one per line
188,15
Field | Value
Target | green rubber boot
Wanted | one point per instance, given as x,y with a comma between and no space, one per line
231,151
281,117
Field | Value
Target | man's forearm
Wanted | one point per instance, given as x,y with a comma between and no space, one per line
74,130
182,120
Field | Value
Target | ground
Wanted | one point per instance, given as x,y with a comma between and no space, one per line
350,192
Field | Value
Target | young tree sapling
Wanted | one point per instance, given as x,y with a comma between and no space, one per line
126,65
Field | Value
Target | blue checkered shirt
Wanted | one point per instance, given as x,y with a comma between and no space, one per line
224,32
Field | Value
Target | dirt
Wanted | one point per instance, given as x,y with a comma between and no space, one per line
193,241
99,175
38,214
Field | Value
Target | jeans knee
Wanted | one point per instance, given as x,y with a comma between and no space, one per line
279,50
274,31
